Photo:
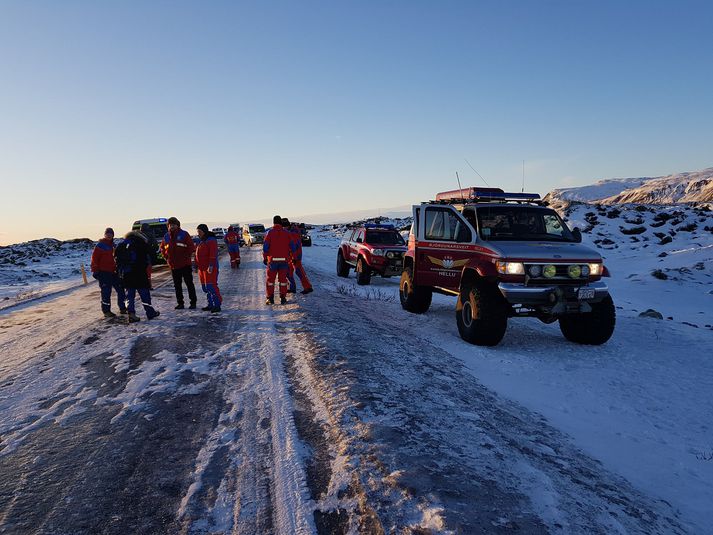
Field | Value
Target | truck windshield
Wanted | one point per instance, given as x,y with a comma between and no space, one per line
520,223
384,237
257,228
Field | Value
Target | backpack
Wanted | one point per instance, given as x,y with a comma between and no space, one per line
124,257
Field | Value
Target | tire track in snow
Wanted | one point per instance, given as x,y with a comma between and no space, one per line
262,486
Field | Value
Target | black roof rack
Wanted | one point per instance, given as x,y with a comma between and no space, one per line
485,195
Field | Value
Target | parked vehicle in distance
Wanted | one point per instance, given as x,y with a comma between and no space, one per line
371,249
219,233
158,226
238,229
505,255
253,233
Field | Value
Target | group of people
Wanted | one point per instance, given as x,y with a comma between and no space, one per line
282,254
126,267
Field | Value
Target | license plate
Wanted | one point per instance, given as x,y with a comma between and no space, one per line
585,293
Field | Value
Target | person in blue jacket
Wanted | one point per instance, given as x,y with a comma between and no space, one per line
132,257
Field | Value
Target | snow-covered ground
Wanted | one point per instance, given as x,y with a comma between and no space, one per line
40,267
642,403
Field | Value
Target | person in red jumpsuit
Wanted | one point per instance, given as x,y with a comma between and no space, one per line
207,262
104,270
276,251
232,242
291,284
297,259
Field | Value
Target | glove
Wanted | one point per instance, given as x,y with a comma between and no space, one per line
264,261
210,269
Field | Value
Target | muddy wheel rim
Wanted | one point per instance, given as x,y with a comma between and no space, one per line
404,290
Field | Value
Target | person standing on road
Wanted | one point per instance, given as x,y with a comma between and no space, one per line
103,268
296,234
132,257
177,248
232,242
291,284
207,262
276,251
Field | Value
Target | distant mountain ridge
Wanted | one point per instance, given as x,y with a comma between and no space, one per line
694,187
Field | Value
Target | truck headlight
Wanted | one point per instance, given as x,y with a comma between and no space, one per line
574,271
535,271
549,271
595,269
389,255
378,252
510,268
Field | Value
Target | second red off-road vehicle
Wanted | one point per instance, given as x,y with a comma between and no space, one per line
504,255
371,249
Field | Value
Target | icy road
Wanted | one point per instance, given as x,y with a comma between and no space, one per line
333,414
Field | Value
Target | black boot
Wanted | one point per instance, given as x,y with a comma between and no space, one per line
207,308
270,301
179,306
283,300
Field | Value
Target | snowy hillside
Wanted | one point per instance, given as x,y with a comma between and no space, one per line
34,268
661,257
677,188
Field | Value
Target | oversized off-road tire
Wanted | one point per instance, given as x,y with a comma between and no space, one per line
363,272
591,328
481,314
416,299
342,266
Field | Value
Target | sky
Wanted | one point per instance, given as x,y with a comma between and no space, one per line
234,111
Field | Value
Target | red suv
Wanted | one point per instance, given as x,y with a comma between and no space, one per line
371,249
505,255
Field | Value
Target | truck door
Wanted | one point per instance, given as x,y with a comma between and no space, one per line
445,244
356,241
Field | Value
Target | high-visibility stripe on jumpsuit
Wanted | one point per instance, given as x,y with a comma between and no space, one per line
276,251
207,257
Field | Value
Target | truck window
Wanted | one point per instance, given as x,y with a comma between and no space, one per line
444,225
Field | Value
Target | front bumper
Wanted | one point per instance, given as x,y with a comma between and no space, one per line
552,295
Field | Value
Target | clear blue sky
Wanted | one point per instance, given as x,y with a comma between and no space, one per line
224,111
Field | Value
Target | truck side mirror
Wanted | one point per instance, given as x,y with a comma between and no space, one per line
577,234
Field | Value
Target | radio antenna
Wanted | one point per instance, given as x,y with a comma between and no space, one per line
523,177
459,186
477,173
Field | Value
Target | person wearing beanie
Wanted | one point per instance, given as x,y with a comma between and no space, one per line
103,268
207,262
177,248
132,256
276,251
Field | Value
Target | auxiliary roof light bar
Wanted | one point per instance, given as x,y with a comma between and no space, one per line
474,195
379,226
